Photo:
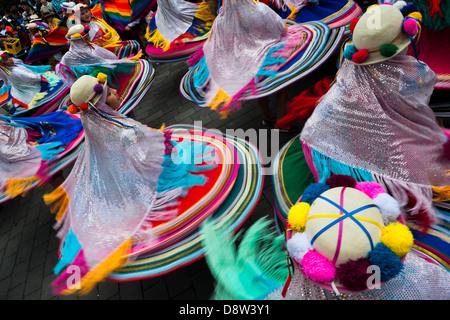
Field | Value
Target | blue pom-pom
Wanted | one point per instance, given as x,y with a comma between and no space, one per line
313,191
390,265
411,7
349,52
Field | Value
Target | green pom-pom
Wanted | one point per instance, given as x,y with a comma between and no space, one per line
388,50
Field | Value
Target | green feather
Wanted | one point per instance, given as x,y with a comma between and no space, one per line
249,271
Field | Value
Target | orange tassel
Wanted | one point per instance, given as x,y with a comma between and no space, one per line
15,187
58,201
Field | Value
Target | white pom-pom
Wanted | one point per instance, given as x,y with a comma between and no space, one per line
400,4
298,246
388,206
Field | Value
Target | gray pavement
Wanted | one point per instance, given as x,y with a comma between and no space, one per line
28,243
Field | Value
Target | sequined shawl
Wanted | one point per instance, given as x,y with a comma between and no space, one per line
375,124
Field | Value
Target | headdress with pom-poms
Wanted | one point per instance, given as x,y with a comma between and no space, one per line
411,27
323,257
97,90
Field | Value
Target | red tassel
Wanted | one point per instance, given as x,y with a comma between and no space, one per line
288,281
435,8
302,106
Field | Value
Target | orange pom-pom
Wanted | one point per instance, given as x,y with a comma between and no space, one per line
353,24
72,109
84,107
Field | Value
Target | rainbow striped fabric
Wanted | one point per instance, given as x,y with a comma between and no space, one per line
53,42
119,13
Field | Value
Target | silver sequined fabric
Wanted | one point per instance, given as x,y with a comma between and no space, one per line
377,118
420,279
174,17
25,84
242,34
113,183
18,159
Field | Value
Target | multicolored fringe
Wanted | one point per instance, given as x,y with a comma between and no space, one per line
201,25
416,199
177,178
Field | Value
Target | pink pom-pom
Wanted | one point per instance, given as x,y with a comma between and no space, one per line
372,189
360,56
410,26
317,267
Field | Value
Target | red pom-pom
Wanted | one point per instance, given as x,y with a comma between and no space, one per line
72,109
84,107
360,56
341,180
353,24
353,274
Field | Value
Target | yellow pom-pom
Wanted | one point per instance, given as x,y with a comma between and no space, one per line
76,36
297,216
416,15
398,238
101,77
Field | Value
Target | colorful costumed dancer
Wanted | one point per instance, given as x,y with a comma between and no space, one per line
335,13
104,35
177,29
33,149
141,181
130,77
180,240
253,57
345,240
375,125
29,90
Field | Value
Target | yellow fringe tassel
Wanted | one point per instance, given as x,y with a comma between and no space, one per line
58,201
293,13
220,98
137,56
114,261
15,187
204,14
158,40
441,193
